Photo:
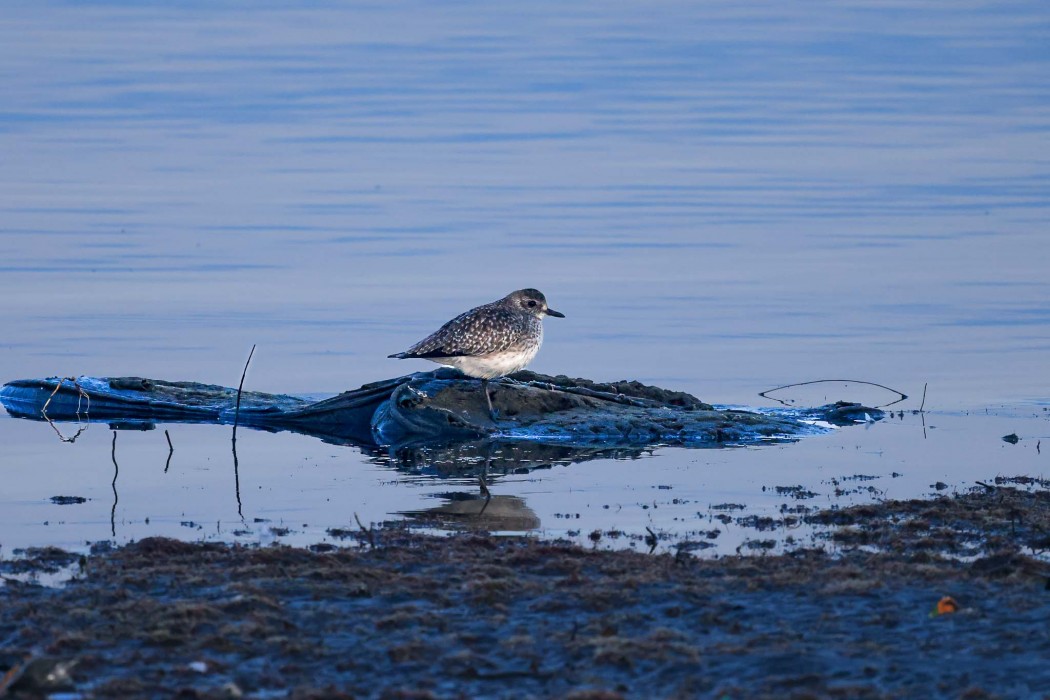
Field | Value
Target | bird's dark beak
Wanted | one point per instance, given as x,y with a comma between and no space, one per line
555,314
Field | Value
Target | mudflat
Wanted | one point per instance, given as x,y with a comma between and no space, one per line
472,615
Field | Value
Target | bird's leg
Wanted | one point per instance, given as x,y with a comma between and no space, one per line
482,478
485,390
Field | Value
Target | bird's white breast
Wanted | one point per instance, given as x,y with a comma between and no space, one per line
494,365
503,362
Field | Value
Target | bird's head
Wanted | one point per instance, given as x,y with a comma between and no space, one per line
532,301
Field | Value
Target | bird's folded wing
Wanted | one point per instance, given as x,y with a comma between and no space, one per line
470,334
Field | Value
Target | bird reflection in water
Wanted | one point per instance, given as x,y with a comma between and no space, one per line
467,511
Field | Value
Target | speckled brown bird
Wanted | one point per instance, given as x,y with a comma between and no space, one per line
492,340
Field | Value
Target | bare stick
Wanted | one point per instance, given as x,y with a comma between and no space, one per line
81,394
233,441
240,388
370,532
603,395
923,397
43,411
902,395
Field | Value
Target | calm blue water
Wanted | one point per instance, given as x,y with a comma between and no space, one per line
722,198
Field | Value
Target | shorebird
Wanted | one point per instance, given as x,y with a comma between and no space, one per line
492,340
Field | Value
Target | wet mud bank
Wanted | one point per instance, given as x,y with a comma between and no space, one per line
406,615
434,408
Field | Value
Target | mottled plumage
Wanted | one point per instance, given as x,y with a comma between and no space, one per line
491,340
482,331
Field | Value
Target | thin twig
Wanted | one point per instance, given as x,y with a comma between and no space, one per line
594,394
58,385
923,397
370,532
902,395
651,540
488,500
81,394
240,388
233,441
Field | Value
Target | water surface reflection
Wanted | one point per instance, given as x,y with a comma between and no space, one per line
298,490
723,197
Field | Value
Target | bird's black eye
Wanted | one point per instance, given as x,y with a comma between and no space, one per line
532,304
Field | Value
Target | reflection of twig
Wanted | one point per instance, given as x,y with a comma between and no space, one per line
81,394
922,413
62,437
237,475
116,471
765,394
171,451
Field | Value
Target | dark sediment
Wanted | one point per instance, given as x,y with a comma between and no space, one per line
472,615
989,518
